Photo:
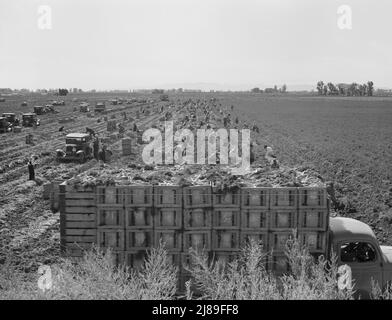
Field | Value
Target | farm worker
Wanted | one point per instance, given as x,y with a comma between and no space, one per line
252,153
96,148
30,166
134,127
271,157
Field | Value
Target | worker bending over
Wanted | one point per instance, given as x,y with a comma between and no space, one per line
271,157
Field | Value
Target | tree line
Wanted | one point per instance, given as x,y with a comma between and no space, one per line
341,89
275,89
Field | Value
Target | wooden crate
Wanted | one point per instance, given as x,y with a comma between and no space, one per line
197,239
313,198
138,196
197,197
138,239
254,219
110,238
138,218
110,217
110,196
167,196
225,240
197,218
316,241
277,240
258,236
283,219
313,219
168,218
226,199
172,239
255,198
283,198
226,218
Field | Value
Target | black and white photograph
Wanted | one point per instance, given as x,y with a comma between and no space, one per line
195,153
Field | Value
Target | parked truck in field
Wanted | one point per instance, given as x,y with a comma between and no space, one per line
356,246
100,107
30,120
11,118
5,126
78,148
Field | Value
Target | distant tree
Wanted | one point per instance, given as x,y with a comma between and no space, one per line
255,90
370,88
325,90
332,89
275,88
320,86
62,92
342,89
284,88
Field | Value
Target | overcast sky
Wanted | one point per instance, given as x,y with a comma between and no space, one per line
109,44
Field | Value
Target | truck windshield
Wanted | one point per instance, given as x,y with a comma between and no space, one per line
357,252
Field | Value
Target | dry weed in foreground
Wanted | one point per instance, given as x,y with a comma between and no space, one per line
247,278
96,277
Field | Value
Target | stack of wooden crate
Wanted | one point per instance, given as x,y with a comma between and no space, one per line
126,144
133,219
168,220
197,224
139,224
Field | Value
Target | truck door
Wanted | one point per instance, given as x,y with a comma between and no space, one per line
365,263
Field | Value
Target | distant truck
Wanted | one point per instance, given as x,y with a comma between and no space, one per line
100,107
39,110
164,97
4,125
78,148
30,120
24,104
11,118
84,107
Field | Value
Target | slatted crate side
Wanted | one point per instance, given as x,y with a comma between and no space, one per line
225,240
316,241
313,198
255,198
110,217
197,239
138,196
174,258
135,258
168,218
172,239
257,236
226,198
69,188
255,219
278,264
110,196
110,238
139,218
226,218
197,197
283,219
277,240
197,218
283,198
139,239
167,196
313,219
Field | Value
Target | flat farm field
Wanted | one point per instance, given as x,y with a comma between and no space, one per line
347,140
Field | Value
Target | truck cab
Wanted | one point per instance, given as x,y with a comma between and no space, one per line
77,148
100,107
30,119
39,110
356,245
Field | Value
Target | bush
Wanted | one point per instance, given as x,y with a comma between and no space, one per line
95,277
